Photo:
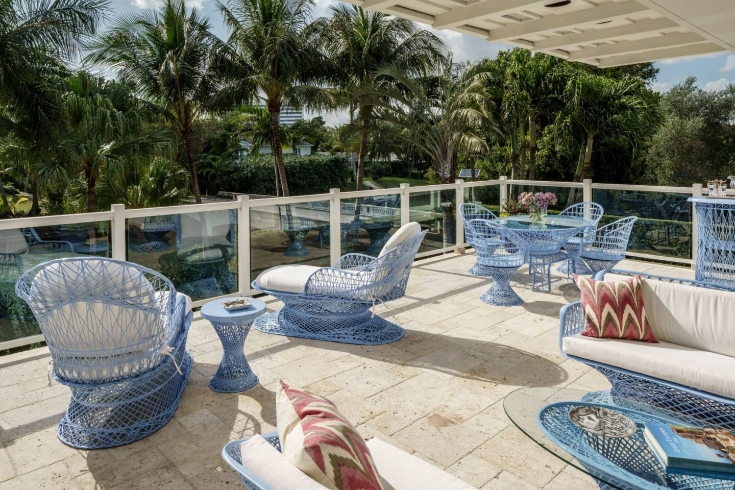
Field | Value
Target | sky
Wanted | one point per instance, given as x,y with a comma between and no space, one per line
713,72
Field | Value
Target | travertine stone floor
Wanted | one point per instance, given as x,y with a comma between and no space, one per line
437,393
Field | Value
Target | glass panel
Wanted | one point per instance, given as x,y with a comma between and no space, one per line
565,196
488,196
196,251
23,249
289,234
665,224
367,224
435,211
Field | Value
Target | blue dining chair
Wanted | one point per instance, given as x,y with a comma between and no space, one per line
585,210
609,245
469,211
500,253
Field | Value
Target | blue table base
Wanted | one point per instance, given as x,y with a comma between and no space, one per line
297,247
500,293
234,373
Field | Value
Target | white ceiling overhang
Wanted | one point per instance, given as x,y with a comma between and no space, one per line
598,32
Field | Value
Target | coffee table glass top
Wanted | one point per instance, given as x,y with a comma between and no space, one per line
543,415
523,222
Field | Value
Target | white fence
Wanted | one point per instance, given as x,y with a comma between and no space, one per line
422,204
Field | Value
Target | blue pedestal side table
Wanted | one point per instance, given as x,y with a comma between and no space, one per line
232,327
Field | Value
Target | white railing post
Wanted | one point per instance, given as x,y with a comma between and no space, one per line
458,223
696,192
405,204
243,245
119,246
586,196
335,226
503,190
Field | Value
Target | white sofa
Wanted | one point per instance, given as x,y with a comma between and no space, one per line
693,361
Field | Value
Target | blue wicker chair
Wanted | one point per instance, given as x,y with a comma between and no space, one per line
117,335
469,211
585,210
500,253
609,245
333,303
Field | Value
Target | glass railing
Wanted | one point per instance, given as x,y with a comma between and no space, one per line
366,224
435,211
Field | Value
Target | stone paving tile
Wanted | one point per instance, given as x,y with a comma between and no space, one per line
437,393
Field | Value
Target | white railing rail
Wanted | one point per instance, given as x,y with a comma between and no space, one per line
462,190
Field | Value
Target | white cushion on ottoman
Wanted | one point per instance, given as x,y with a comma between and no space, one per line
272,467
286,278
403,471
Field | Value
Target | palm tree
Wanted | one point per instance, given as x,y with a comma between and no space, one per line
106,132
361,43
271,52
168,55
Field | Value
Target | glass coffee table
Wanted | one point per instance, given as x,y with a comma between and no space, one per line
614,462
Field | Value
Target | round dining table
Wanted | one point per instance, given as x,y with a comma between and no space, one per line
544,240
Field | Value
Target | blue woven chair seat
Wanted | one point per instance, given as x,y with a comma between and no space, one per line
117,336
334,303
609,245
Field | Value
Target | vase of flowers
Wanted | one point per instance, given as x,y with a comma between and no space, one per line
537,204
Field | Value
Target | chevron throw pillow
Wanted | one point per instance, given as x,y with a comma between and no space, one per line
615,310
319,441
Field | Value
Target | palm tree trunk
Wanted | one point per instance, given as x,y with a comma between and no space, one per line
275,109
522,134
587,167
577,176
4,196
90,181
533,147
190,163
363,149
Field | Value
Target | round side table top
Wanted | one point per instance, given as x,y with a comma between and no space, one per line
215,312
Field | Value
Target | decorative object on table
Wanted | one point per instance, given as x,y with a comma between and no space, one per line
117,336
683,448
469,211
687,374
620,462
715,258
237,304
232,327
322,443
585,210
615,309
717,188
602,421
609,245
333,303
265,462
500,253
537,204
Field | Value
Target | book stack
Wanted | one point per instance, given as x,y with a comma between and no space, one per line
690,450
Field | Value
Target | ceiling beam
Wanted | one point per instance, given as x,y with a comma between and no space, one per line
608,34
477,11
630,47
661,54
411,14
604,11
378,4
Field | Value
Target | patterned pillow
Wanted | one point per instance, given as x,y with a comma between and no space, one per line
318,440
615,310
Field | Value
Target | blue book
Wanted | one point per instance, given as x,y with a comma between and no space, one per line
689,448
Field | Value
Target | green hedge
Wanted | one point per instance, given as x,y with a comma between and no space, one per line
310,174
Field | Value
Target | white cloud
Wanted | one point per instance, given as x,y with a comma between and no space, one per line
729,64
719,84
661,86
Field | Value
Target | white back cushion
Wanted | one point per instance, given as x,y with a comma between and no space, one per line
405,232
12,242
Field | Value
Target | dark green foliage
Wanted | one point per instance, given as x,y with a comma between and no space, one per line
311,174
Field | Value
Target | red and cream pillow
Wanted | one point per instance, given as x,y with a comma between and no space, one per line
319,441
615,310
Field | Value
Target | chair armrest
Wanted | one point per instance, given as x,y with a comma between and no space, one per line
341,283
353,261
571,322
179,322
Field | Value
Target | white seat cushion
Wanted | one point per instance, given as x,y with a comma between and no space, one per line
272,467
286,278
403,471
405,232
699,369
